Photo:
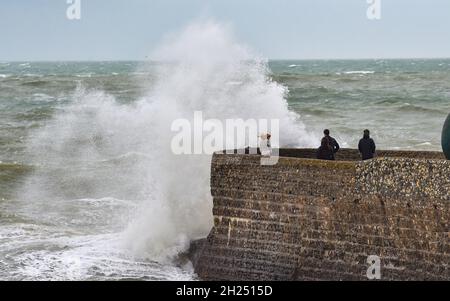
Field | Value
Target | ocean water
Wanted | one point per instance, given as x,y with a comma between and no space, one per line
403,102
88,187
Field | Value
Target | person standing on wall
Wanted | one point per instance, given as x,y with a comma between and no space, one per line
328,147
367,146
265,146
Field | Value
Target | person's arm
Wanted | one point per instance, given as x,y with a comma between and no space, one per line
360,146
374,147
336,146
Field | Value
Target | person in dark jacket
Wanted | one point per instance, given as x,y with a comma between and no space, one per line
328,147
324,152
367,146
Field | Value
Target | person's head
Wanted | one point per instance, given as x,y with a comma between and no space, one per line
326,132
366,134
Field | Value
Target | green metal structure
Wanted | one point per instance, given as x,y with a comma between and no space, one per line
446,137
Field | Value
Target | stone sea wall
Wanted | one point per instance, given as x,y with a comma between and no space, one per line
307,219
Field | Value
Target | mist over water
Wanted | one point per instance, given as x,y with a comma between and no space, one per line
106,198
203,69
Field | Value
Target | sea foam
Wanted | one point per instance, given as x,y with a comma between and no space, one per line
80,146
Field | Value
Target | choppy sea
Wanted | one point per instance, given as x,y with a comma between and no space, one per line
86,192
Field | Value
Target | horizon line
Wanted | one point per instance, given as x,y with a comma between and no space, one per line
269,59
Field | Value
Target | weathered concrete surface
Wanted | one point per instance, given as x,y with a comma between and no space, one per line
307,219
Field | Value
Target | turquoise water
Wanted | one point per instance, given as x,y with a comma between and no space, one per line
65,188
